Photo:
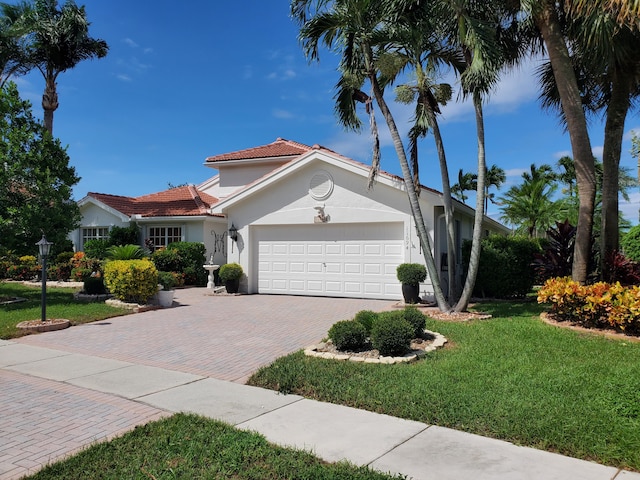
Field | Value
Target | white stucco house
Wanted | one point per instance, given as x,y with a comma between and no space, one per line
306,223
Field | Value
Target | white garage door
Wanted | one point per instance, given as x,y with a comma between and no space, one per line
355,260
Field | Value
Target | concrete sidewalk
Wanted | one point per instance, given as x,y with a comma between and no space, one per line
56,402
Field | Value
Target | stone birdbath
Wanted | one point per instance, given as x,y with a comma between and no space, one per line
210,267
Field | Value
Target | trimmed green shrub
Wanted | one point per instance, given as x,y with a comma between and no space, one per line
630,244
94,286
391,334
168,260
506,266
230,271
96,248
367,318
411,273
348,335
131,280
416,319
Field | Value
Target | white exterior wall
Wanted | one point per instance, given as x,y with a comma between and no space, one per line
288,202
94,216
232,178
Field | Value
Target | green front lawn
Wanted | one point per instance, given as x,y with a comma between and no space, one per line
60,304
190,447
511,377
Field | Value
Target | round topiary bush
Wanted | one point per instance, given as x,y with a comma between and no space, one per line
367,318
131,280
416,318
391,334
411,273
230,271
348,335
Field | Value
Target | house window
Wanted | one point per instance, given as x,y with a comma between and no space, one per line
94,233
458,240
163,236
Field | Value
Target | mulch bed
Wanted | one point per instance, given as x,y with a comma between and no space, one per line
549,319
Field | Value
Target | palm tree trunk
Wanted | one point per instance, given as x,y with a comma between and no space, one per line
613,133
49,102
411,191
474,260
448,208
547,21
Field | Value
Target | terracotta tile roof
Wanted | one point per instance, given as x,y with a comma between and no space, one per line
280,148
180,201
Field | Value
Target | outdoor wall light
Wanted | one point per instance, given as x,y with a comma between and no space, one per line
44,247
233,233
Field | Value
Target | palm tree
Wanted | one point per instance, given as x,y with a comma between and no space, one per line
545,14
57,40
495,178
409,46
355,25
606,58
466,182
12,49
530,205
475,28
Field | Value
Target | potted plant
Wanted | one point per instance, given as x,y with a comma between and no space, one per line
410,275
168,281
230,274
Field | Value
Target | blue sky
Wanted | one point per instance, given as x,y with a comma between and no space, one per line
184,81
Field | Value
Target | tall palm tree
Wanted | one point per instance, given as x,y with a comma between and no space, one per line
13,60
495,178
475,28
466,182
530,205
606,58
546,16
58,39
411,46
354,27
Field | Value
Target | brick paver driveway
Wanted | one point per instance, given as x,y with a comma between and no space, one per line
224,337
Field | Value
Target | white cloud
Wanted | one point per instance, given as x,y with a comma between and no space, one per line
282,114
124,77
130,43
631,208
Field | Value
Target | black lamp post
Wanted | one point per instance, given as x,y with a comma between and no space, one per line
44,247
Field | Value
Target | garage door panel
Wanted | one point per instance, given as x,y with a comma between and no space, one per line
297,249
353,250
333,268
296,267
315,249
357,260
353,268
315,267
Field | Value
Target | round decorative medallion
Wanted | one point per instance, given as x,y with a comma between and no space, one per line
321,185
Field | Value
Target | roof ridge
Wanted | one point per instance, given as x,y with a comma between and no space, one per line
196,198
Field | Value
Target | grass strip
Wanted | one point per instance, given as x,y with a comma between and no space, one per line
512,377
60,304
193,447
